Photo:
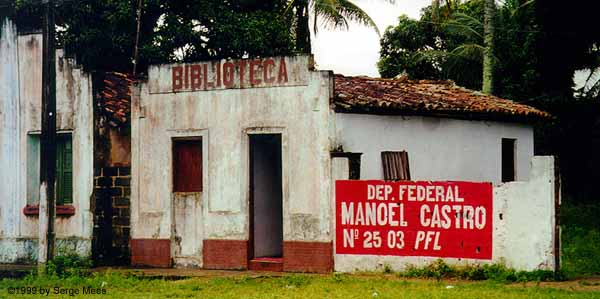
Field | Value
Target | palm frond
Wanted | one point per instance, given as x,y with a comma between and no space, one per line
329,11
464,25
337,13
469,51
516,10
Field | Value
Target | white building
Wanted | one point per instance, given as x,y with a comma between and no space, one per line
20,126
234,162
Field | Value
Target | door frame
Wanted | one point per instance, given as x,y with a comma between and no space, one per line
282,131
189,134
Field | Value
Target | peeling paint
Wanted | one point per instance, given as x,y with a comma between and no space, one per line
20,87
223,119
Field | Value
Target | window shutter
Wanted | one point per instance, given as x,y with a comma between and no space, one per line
64,170
67,195
395,166
59,171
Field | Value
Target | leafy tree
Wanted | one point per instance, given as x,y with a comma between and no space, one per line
101,33
568,41
450,48
453,47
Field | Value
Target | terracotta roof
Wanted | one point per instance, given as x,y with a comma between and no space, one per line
424,97
115,98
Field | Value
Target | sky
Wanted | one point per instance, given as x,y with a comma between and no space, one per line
356,51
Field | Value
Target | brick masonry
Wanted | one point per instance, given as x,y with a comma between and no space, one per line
112,215
151,252
225,254
307,256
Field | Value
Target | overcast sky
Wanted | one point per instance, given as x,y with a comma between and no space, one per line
356,51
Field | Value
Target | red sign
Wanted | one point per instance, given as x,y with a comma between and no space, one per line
206,76
435,219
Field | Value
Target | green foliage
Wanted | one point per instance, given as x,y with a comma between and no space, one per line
101,33
331,13
387,269
452,47
431,48
68,266
580,239
438,270
495,272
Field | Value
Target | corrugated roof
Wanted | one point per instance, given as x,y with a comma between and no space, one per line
115,98
424,97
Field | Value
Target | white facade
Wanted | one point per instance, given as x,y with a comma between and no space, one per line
438,149
224,119
20,121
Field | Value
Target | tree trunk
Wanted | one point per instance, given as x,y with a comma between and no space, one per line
435,10
302,27
488,41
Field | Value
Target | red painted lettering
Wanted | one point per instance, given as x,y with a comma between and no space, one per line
228,73
242,65
195,77
205,67
186,84
268,67
254,80
177,73
283,77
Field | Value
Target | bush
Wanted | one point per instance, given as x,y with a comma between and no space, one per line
68,266
495,272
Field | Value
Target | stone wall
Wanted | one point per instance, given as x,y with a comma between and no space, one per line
111,215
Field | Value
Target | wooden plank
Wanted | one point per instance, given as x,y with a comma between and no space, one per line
187,165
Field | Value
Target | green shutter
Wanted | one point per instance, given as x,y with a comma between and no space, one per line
64,170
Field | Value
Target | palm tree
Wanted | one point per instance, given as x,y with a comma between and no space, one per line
488,41
334,13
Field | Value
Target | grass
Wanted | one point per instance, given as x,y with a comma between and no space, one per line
289,286
580,239
580,259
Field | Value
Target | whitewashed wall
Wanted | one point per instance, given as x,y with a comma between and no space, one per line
224,118
9,142
523,228
20,118
438,148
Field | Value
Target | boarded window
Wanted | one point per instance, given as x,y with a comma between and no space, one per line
395,166
64,170
187,165
508,159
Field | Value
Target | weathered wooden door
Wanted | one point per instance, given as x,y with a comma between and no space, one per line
187,202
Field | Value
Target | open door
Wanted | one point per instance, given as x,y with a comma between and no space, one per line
266,211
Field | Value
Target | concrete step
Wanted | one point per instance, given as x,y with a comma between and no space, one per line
266,264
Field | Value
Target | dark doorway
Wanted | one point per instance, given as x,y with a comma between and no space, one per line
266,213
508,160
